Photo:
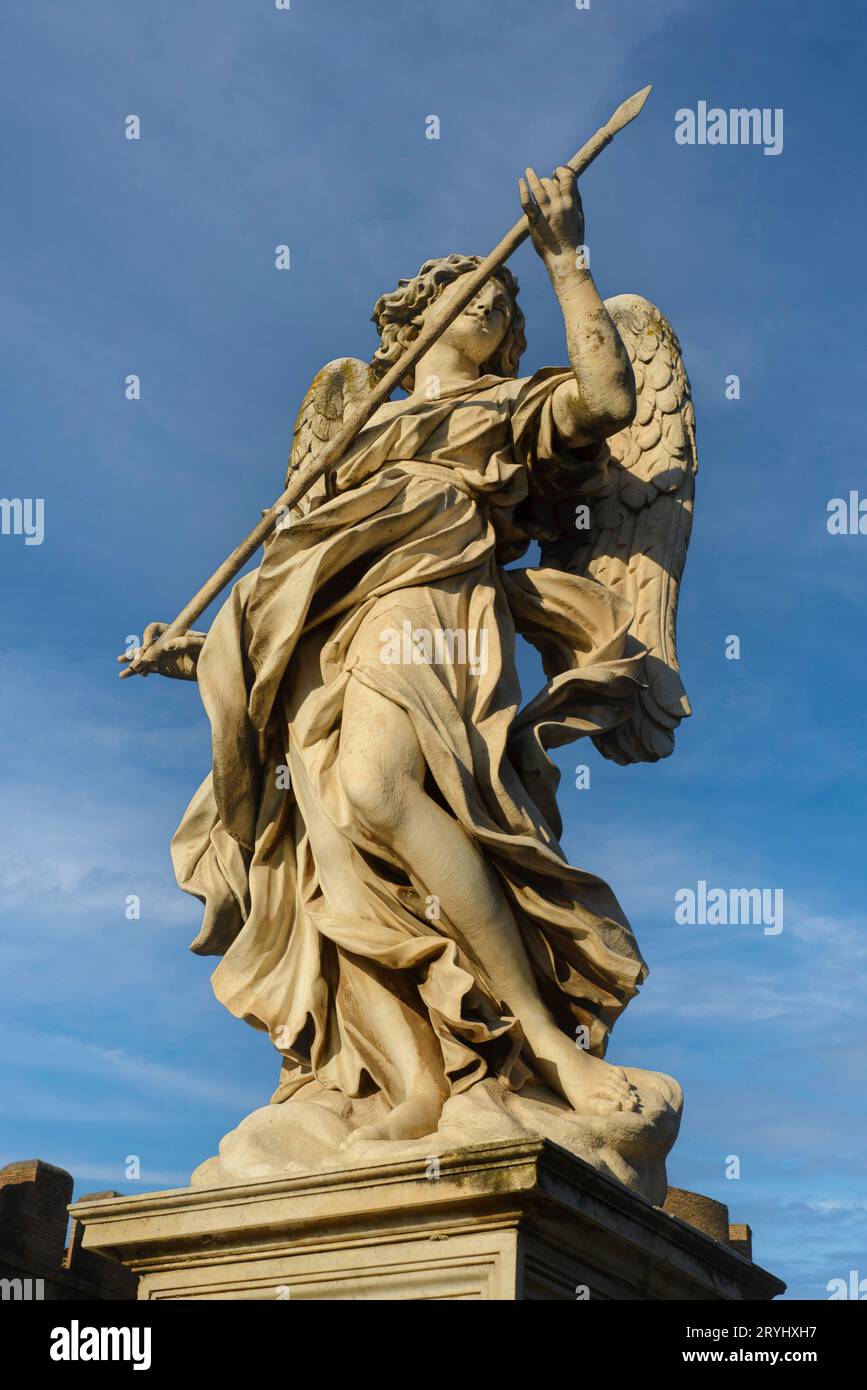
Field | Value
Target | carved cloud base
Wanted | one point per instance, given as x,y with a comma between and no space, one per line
304,1133
500,1221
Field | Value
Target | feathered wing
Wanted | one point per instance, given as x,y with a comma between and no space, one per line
331,394
640,526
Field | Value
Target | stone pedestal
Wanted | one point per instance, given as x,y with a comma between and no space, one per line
495,1221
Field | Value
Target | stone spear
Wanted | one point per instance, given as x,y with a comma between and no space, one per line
332,451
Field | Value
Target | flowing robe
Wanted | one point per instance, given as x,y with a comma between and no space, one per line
319,924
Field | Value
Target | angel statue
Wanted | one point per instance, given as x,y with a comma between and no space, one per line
378,845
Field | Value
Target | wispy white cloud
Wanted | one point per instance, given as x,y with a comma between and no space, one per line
73,1056
89,1170
831,1205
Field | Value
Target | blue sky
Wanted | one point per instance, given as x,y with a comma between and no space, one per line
156,257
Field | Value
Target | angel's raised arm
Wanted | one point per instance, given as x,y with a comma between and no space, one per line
600,401
639,525
601,398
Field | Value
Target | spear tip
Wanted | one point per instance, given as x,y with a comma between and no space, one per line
630,108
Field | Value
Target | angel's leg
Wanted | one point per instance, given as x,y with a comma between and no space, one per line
382,771
410,1063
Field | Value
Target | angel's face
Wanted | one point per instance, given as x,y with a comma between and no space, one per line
480,328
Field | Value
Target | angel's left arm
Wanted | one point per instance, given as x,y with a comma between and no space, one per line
601,398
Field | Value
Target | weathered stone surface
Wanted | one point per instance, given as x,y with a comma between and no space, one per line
279,1140
505,1221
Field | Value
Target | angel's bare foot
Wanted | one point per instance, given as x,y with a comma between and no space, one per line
591,1086
412,1119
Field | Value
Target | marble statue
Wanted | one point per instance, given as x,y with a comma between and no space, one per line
377,847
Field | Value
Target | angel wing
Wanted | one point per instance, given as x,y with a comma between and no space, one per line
332,392
640,526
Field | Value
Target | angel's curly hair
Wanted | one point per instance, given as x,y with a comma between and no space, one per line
398,315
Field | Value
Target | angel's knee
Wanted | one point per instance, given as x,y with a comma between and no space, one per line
379,796
380,767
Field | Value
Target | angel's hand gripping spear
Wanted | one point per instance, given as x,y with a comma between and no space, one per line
171,642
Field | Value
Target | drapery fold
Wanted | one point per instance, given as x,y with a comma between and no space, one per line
318,925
